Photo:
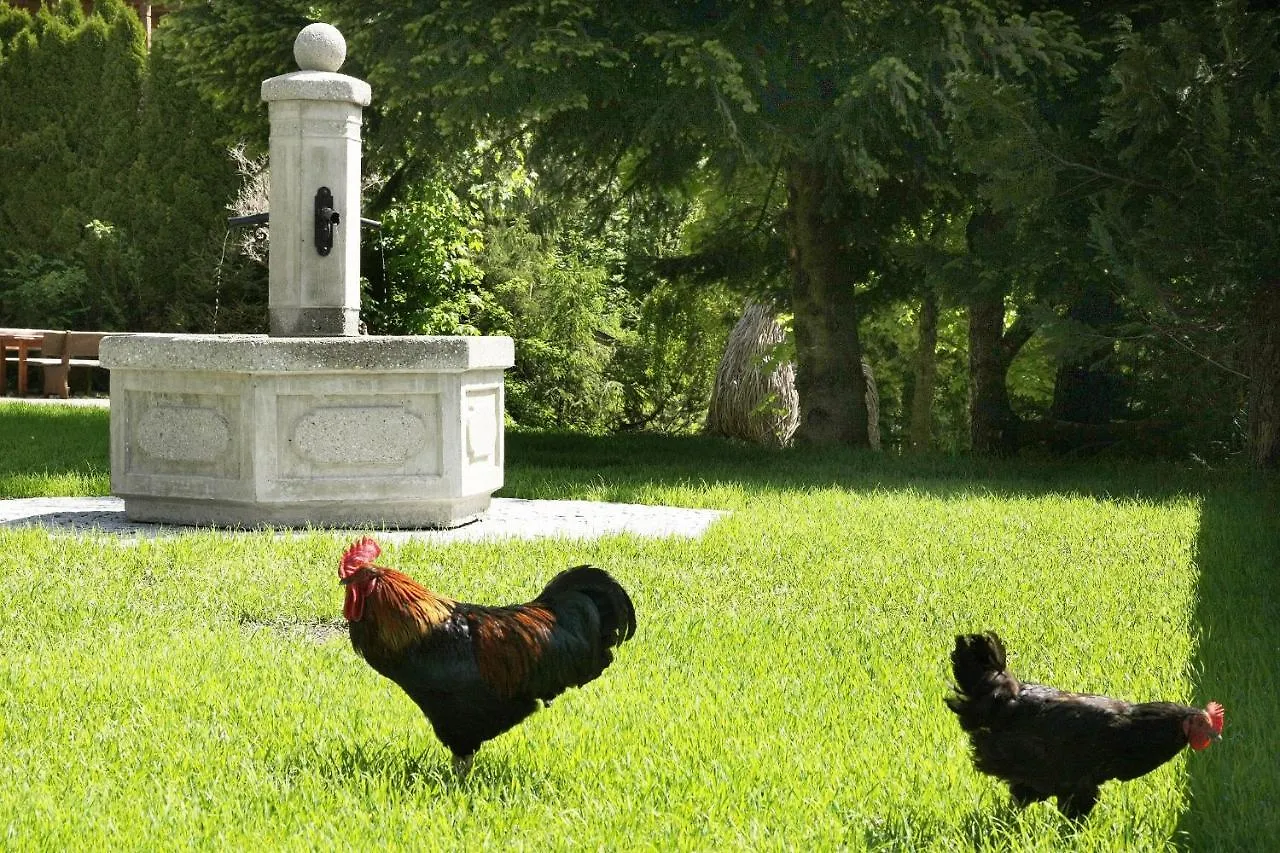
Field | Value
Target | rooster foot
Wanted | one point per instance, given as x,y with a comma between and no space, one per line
462,766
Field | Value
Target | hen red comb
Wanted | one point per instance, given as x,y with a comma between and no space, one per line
1216,715
361,553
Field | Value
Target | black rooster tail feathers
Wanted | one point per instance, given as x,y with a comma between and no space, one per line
617,613
978,664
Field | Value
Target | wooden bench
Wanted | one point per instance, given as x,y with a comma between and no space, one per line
16,345
59,352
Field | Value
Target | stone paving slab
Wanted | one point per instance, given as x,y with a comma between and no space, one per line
508,518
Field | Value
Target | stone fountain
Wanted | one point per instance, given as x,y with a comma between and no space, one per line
312,424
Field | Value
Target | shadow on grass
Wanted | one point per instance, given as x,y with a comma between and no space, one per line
55,439
408,767
40,442
318,631
1235,789
625,468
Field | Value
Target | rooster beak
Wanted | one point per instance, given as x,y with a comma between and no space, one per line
347,580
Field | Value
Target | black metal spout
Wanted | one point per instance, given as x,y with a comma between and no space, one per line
326,218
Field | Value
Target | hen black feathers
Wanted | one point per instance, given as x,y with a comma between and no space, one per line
1045,742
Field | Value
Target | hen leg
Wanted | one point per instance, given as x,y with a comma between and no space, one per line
1078,804
1024,795
462,766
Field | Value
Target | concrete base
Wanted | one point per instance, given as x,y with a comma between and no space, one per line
407,515
250,431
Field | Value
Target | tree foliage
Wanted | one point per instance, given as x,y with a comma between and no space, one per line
846,101
1076,201
1147,192
1193,230
421,272
69,86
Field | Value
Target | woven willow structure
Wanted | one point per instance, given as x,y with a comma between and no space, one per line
754,398
873,406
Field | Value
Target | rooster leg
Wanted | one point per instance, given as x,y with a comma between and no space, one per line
462,766
1078,804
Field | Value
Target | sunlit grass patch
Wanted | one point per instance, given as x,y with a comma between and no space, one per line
784,690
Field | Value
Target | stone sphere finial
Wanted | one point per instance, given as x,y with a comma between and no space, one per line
320,47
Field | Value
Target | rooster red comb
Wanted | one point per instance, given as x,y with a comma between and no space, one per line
1216,714
361,553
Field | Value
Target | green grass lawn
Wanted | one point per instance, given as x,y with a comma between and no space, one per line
784,690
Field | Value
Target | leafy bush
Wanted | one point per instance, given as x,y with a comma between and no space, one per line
666,363
420,273
555,297
43,292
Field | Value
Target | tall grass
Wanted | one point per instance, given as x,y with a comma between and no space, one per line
784,690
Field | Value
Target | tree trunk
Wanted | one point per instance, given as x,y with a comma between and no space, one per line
1084,391
920,431
993,426
992,423
828,352
1264,377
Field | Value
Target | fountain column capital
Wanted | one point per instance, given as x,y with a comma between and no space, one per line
319,51
316,86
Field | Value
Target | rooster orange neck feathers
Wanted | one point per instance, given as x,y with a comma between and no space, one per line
407,610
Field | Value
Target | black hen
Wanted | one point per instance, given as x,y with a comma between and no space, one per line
1048,743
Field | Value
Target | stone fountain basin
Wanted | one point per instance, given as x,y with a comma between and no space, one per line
251,430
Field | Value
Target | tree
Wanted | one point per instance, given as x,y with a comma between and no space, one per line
180,181
69,86
113,202
1194,119
844,102
920,427
69,90
1146,194
226,49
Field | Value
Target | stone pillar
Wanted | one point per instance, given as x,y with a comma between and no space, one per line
315,118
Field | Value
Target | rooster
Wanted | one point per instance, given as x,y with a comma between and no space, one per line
1049,743
478,671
